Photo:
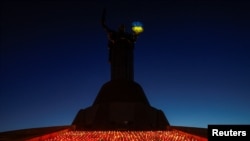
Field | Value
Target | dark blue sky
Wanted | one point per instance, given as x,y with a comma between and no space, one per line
192,60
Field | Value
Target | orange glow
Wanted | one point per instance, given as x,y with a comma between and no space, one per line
173,135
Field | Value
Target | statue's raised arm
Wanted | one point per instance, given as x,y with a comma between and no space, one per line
103,21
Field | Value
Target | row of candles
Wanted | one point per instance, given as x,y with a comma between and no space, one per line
173,135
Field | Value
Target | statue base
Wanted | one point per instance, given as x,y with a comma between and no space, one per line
120,105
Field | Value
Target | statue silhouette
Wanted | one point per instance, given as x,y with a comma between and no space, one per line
121,103
120,45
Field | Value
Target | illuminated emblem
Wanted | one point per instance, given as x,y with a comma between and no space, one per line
137,27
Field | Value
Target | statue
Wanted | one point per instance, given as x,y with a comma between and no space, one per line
121,103
120,45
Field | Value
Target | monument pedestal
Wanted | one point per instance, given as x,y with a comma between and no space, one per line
120,105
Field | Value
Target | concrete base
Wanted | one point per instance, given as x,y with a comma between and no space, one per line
121,105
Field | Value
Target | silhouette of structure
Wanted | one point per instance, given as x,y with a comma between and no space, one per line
121,103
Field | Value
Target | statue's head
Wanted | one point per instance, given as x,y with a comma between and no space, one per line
121,28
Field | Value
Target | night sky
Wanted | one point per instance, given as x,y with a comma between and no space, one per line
192,60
